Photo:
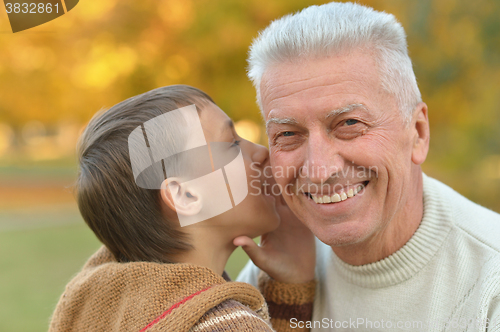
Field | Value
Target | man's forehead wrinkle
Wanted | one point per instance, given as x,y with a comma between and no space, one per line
275,89
303,90
291,80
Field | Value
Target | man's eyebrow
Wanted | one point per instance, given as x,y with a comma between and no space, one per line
291,121
345,109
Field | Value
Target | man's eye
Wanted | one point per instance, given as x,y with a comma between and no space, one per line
351,122
288,133
236,143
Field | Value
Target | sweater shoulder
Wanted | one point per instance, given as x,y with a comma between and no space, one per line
475,222
232,315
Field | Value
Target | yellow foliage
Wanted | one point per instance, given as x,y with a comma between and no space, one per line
104,51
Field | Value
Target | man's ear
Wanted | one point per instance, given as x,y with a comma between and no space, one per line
421,134
179,198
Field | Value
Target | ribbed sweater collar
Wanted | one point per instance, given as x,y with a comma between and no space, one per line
415,254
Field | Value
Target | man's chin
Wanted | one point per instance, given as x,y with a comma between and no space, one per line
340,234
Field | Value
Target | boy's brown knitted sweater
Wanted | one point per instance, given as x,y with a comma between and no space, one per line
143,296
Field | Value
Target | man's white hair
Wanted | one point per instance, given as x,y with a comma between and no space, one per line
336,28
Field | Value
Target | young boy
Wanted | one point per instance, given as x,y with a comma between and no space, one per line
152,274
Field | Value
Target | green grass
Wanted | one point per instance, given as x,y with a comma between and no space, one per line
35,265
236,262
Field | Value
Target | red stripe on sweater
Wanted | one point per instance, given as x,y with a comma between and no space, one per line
178,304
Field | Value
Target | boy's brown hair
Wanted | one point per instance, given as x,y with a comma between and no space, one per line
124,217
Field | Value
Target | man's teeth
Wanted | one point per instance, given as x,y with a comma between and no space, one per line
337,197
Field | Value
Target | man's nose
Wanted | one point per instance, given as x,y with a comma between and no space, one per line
323,159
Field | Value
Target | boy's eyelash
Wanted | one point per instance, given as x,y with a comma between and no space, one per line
236,142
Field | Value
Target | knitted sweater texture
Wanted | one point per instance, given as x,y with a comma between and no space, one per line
445,278
143,296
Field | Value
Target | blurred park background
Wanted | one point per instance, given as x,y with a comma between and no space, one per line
54,77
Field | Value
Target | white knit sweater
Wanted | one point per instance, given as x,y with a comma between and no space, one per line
445,278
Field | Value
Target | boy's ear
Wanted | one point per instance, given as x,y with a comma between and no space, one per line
179,198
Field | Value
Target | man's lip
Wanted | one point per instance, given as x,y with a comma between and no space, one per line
337,189
336,198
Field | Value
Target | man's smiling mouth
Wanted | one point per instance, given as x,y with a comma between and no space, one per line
340,196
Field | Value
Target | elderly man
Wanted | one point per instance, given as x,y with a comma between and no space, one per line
397,249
